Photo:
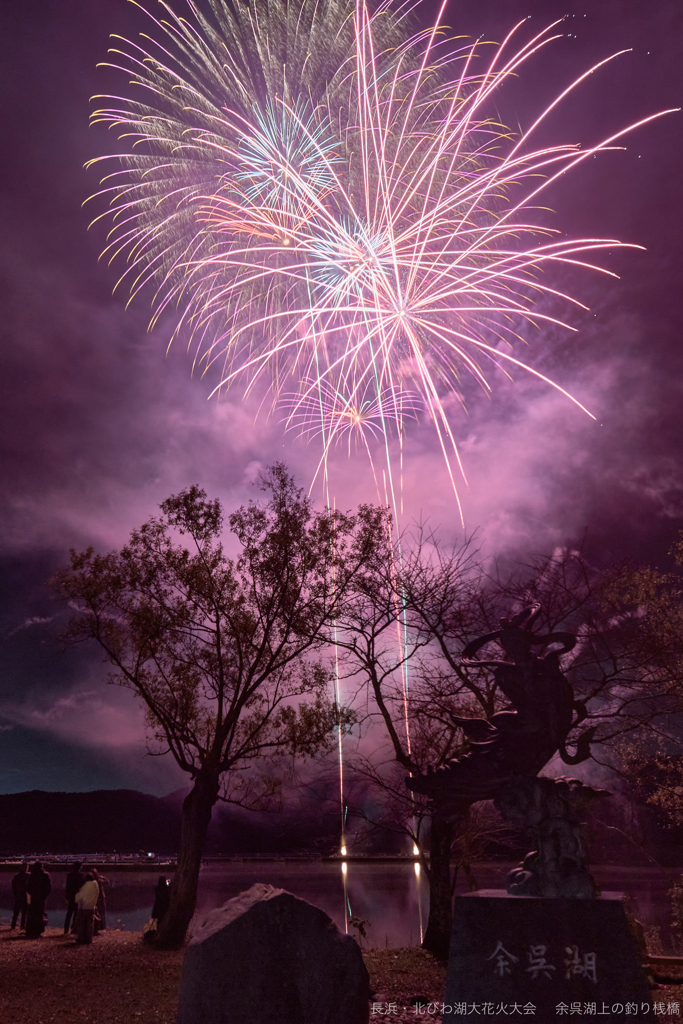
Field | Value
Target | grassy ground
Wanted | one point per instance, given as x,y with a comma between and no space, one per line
119,980
116,980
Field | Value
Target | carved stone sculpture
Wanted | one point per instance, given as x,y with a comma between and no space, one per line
552,808
508,750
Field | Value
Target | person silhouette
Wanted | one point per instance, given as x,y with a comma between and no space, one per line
100,924
86,898
74,880
19,893
162,898
38,888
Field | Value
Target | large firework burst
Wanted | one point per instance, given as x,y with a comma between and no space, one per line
324,197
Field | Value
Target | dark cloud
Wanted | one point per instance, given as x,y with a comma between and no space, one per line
99,424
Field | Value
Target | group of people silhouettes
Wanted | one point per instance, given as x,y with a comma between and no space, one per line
30,890
86,912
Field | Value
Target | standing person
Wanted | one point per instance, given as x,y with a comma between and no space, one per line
74,880
86,899
162,898
100,924
19,893
38,888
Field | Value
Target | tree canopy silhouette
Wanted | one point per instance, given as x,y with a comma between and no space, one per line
224,652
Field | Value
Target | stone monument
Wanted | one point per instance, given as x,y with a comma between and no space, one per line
548,946
543,959
267,956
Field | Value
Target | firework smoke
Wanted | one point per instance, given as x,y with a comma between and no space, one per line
328,199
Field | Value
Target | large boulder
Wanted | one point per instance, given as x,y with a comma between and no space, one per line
268,957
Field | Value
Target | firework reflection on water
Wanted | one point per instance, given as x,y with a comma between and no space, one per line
382,894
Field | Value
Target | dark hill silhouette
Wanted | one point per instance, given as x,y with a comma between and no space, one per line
126,821
104,821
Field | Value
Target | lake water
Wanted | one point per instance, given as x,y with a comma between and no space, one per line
392,899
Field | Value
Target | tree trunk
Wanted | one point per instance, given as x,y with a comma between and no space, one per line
438,935
197,809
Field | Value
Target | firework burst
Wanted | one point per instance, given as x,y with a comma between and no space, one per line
324,197
355,420
320,411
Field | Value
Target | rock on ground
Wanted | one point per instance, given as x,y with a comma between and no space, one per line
267,956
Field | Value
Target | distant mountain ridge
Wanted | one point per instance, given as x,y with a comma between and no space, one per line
127,821
102,821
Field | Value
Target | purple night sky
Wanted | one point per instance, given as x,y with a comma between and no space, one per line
99,423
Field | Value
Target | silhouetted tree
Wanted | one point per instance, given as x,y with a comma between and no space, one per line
389,633
650,602
220,650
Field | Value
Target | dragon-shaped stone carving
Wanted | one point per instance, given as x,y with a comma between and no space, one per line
516,742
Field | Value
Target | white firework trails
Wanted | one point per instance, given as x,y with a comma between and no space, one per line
324,197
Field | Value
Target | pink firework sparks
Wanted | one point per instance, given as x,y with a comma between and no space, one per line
366,227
